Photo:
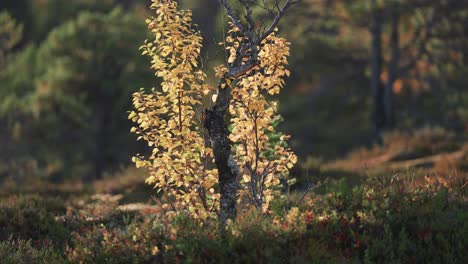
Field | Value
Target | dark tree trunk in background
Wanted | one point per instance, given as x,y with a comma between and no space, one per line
205,15
126,3
99,147
392,71
101,134
377,112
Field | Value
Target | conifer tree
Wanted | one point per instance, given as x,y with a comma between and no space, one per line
10,34
92,65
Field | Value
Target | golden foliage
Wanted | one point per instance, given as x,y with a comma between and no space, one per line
262,163
168,119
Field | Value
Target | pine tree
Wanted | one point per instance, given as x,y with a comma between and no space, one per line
92,65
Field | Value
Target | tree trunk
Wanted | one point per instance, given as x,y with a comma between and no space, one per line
205,16
100,146
392,71
227,167
215,123
126,3
377,112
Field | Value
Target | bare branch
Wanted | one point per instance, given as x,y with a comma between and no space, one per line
232,14
248,15
310,187
237,72
277,18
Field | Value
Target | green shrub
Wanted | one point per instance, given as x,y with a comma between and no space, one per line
151,239
380,221
383,222
22,251
33,218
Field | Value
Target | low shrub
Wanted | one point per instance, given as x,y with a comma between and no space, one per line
383,222
186,240
33,218
22,251
380,220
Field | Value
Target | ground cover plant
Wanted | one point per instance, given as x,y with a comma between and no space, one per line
384,219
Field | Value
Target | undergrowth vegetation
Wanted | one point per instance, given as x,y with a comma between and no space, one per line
383,219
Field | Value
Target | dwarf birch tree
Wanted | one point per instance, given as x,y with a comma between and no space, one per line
201,166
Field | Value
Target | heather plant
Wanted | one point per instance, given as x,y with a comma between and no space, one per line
384,221
33,218
379,221
23,251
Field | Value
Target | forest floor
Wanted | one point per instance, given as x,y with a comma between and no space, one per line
405,201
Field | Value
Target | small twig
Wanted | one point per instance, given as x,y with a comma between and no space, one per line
232,14
310,187
213,207
248,15
277,19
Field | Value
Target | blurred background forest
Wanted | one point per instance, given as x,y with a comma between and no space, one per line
360,70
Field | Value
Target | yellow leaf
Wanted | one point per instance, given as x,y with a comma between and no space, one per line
246,178
155,250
